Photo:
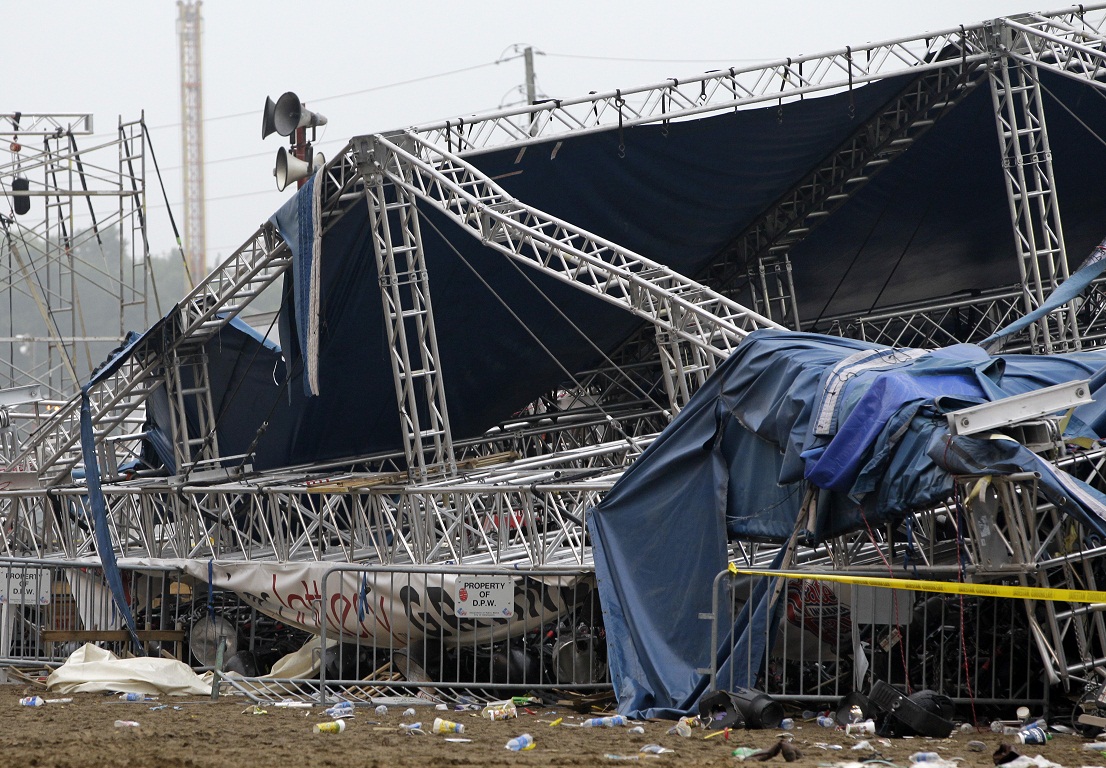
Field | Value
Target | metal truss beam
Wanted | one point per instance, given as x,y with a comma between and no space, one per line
699,324
779,81
409,315
761,251
1031,191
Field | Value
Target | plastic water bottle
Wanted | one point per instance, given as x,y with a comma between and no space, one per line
521,743
32,701
132,697
925,757
604,722
826,721
787,724
127,724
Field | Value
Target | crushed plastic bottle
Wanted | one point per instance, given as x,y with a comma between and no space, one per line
127,724
655,749
926,757
381,709
32,701
605,722
134,697
521,743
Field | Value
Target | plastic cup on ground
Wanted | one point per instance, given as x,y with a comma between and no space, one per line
334,726
446,726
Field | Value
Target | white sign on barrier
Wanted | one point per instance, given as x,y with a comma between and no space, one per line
23,587
484,597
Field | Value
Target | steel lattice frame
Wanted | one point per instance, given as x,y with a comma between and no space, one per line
429,162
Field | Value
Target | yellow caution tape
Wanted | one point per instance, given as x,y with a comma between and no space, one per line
945,587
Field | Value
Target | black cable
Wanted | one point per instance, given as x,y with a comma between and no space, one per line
901,256
852,264
544,348
172,220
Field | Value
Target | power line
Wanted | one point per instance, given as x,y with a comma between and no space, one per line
649,61
314,100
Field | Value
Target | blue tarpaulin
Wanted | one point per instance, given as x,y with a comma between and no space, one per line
787,411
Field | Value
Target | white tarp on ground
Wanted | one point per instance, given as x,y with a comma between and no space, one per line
92,669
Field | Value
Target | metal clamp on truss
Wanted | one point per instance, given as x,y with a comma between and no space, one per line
1018,409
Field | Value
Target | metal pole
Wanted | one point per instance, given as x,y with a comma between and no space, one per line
528,55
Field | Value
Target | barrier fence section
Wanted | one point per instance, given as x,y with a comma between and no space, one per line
460,633
827,640
48,609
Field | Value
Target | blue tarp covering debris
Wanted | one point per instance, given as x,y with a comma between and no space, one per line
866,423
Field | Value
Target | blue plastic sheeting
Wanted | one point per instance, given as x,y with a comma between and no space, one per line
863,422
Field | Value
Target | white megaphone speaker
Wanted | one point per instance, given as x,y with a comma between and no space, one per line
286,115
290,168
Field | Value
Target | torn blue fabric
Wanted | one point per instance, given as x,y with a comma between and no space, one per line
104,546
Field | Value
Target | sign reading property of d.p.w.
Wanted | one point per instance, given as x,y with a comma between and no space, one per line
24,587
484,597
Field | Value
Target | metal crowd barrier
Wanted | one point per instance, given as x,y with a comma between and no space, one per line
49,609
462,634
827,640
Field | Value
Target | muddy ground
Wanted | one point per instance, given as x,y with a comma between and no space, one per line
195,733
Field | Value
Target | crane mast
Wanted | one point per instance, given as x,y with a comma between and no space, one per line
192,137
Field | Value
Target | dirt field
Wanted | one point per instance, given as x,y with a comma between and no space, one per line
227,734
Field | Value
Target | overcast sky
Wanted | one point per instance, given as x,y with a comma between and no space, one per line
345,59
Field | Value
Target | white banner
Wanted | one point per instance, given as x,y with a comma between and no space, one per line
389,607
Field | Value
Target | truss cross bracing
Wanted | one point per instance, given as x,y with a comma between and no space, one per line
692,325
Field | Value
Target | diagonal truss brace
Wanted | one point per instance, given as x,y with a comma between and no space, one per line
705,325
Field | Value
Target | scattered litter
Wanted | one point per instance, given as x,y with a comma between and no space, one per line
292,704
500,710
158,707
447,726
334,726
127,724
743,753
132,697
340,710
68,700
254,710
521,743
409,712
32,701
976,746
381,709
610,756
556,722
724,733
863,745
637,729
608,722
458,740
1024,761
655,749
1095,746
787,723
441,707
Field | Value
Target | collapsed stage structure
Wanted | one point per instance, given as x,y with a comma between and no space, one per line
487,321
